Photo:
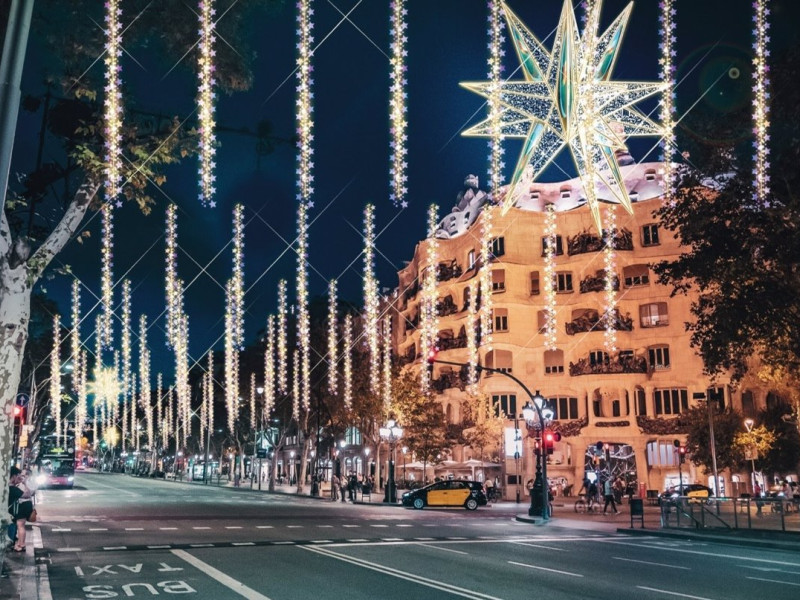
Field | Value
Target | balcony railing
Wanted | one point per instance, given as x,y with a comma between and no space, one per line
619,364
450,379
452,343
593,321
590,242
597,283
449,270
446,307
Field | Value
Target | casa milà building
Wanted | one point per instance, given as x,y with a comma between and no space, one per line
630,400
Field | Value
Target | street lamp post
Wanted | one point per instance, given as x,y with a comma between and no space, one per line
405,449
517,439
537,418
748,423
391,433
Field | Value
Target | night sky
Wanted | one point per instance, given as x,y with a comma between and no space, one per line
447,43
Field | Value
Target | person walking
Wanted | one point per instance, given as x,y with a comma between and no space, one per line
20,504
608,493
335,488
757,497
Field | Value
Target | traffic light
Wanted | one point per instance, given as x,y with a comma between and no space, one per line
432,353
550,439
682,453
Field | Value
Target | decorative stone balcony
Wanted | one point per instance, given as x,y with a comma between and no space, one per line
597,283
592,321
446,306
591,242
614,365
448,271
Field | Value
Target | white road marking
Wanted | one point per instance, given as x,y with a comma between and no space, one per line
539,546
714,554
264,526
115,547
159,547
226,580
443,549
233,527
321,541
282,543
97,529
134,529
404,525
243,544
351,525
201,546
438,585
68,549
649,589
325,526
774,581
357,540
511,562
424,539
201,527
60,530
168,528
378,525
392,539
646,562
294,526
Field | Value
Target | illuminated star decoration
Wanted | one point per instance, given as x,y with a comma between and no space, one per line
429,318
667,75
75,334
761,100
144,380
610,274
496,53
283,358
397,104
55,376
550,278
567,99
371,298
347,376
106,331
237,281
126,337
305,108
173,292
205,102
113,100
333,342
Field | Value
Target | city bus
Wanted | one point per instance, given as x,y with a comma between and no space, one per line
56,461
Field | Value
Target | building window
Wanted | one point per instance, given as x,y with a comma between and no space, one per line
499,280
505,404
500,319
564,281
535,283
566,192
661,454
659,358
641,402
650,175
615,408
650,235
553,362
498,247
748,404
717,394
559,246
654,314
598,357
470,259
564,408
466,299
671,401
636,275
352,436
541,321
500,360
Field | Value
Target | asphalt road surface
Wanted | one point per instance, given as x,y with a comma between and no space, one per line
116,536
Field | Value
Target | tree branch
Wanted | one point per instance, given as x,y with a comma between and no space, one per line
61,234
5,234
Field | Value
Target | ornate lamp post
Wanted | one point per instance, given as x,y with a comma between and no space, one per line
748,423
536,417
391,433
405,449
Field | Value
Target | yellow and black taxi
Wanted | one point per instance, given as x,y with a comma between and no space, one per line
455,492
695,492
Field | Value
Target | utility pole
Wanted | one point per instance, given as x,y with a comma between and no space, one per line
11,62
712,397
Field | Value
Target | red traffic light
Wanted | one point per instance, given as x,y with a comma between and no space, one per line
432,355
682,449
550,438
17,410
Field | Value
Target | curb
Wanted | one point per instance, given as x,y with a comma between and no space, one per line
732,540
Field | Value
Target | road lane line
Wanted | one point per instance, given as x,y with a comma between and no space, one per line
647,562
357,540
159,547
243,544
511,562
201,527
115,547
233,527
431,583
168,528
226,580
201,545
134,529
774,581
321,541
325,526
294,526
282,543
424,539
443,549
649,589
98,529
68,549
351,525
714,554
60,530
539,546
265,526
378,525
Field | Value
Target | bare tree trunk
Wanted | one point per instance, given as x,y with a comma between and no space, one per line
301,478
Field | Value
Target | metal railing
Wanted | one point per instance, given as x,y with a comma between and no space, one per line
768,514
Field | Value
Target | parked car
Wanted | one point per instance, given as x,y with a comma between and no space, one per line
695,492
468,494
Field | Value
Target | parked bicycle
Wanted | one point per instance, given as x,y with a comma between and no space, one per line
493,494
584,504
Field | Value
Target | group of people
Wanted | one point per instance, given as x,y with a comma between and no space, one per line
590,487
347,486
21,490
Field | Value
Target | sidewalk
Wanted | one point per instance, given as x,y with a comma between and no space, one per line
20,576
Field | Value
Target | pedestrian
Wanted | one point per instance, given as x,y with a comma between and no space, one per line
608,493
757,495
334,488
352,485
20,505
343,487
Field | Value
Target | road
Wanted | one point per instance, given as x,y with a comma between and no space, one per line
116,536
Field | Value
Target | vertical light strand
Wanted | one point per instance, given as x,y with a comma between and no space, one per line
667,30
106,278
472,339
397,104
205,101
296,385
253,401
182,375
203,408
171,274
82,408
549,279
170,412
135,418
144,378
126,337
429,319
495,75
333,358
269,368
283,357
55,376
761,100
210,393
610,272
303,319
485,279
347,376
371,299
75,334
112,105
98,343
231,374
237,277
386,382
305,108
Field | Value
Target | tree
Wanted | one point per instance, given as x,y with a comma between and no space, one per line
727,424
74,42
784,454
487,431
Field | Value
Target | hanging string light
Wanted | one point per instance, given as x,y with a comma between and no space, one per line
386,383
81,410
429,319
296,385
126,337
106,277
305,108
549,282
169,402
610,272
231,371
173,293
209,398
269,368
120,391
761,100
303,321
253,401
205,101
496,52
237,278
397,104
75,334
283,357
55,376
332,337
485,279
182,388
144,379
112,106
135,418
371,299
472,340
667,30
347,384
98,341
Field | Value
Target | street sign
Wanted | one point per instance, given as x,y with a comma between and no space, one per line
24,434
261,453
23,399
751,453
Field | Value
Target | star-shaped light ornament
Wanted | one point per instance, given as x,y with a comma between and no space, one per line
567,98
